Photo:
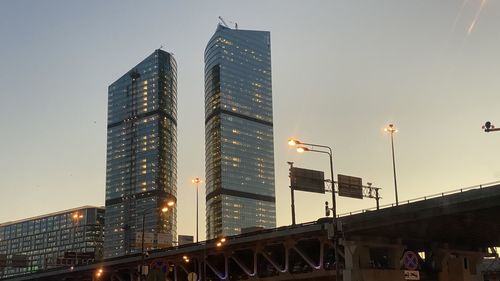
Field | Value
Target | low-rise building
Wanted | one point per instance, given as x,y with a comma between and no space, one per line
64,238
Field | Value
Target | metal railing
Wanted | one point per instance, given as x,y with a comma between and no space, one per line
423,198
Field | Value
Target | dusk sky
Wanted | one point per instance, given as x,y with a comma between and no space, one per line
342,70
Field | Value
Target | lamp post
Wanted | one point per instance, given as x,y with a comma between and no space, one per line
391,129
164,209
489,127
76,219
302,147
196,181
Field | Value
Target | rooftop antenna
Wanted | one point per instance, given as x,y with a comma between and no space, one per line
226,25
161,47
223,22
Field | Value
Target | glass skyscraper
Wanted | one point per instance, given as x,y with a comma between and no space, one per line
52,240
141,167
239,150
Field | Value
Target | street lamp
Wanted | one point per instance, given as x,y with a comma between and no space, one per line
391,129
489,127
302,147
220,242
164,209
196,181
76,219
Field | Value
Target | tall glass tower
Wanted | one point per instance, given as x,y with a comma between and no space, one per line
239,150
141,166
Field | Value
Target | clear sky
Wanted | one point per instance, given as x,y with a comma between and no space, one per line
342,70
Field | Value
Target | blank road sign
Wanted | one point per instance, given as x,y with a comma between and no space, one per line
307,180
350,186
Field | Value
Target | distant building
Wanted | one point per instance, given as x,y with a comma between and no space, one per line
141,165
52,240
239,150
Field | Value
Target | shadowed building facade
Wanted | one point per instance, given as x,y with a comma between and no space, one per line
53,240
141,165
239,152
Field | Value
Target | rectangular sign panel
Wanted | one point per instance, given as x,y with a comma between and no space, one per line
412,275
149,238
164,240
184,239
350,186
307,180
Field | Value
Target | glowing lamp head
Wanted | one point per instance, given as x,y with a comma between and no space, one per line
170,203
302,149
391,129
196,180
293,142
219,244
164,209
77,216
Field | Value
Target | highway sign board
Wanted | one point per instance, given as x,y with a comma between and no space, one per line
149,238
350,186
307,180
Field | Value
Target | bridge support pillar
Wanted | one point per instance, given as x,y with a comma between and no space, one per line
372,260
458,265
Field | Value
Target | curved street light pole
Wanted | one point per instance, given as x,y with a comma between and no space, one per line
301,148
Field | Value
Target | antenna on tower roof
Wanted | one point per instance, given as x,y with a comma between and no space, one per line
223,22
226,25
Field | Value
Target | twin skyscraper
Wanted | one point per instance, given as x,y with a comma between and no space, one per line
141,166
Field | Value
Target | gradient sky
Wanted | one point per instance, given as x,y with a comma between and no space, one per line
342,70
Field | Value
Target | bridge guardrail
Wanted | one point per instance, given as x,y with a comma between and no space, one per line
423,198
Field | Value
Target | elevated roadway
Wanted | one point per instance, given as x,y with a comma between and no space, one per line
450,233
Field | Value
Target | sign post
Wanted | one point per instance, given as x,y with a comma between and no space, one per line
305,180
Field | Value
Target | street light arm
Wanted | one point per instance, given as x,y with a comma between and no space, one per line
318,145
321,151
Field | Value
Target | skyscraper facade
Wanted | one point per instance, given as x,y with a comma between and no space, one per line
239,152
52,240
141,165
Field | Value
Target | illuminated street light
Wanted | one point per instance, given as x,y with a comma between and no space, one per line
164,209
220,242
99,273
76,221
303,148
293,142
489,127
196,181
391,129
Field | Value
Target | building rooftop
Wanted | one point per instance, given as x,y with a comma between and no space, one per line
50,214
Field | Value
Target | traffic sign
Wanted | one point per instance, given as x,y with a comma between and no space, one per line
410,260
412,275
307,180
350,186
